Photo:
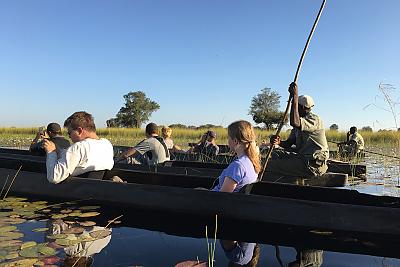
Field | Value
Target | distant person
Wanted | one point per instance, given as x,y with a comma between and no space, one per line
150,151
166,133
207,144
305,152
245,168
354,144
52,133
88,153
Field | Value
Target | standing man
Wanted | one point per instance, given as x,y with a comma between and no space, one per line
87,153
52,133
305,152
150,151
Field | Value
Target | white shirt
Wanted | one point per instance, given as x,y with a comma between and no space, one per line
83,156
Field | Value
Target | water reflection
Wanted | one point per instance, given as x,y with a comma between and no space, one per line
84,242
307,257
241,253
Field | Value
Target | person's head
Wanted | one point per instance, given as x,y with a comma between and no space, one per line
53,129
166,132
151,129
80,126
305,104
241,136
254,259
210,135
353,129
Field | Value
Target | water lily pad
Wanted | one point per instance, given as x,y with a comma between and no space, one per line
10,243
21,263
74,230
4,229
10,236
40,230
15,199
63,242
28,244
12,220
12,255
46,210
89,207
59,216
65,211
47,251
31,252
89,214
57,236
87,223
99,234
74,214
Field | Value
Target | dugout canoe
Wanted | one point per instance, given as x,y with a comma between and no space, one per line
303,207
170,175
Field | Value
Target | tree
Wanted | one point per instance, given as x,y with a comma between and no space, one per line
334,127
366,129
264,108
137,110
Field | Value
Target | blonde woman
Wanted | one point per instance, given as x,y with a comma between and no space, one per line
244,170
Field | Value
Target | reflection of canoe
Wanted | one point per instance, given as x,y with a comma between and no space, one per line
178,175
304,207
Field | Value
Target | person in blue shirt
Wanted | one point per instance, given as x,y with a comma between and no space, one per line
243,170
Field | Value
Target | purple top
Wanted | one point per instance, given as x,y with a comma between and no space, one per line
240,170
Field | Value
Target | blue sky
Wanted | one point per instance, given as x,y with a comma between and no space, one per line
202,61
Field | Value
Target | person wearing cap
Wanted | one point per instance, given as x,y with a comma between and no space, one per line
207,144
305,152
150,151
88,153
354,143
52,133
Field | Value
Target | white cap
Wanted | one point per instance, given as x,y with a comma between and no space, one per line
306,101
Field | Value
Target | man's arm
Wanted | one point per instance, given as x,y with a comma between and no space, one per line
59,169
294,111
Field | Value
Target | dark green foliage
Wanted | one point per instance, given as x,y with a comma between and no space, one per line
334,127
264,108
366,129
137,110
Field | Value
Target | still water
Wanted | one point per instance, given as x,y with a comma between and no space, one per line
74,233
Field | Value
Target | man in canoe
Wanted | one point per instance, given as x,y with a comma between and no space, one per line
207,145
53,133
88,153
305,152
150,151
353,145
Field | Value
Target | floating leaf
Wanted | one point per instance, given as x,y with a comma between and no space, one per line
24,262
10,243
31,252
89,214
56,236
4,229
40,229
10,236
74,230
87,223
63,242
28,244
12,220
99,234
74,214
47,251
15,199
59,216
12,255
66,211
46,210
89,207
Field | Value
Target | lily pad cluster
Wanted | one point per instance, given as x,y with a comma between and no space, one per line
14,251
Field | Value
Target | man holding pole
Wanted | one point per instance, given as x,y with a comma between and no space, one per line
305,152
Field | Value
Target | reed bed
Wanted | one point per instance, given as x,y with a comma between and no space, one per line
21,137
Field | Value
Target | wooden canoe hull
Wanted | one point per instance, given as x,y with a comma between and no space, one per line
257,207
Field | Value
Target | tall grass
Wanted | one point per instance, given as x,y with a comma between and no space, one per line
20,137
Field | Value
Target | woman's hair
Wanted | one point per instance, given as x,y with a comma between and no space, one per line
80,119
166,131
244,133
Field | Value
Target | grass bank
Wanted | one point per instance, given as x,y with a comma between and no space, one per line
21,137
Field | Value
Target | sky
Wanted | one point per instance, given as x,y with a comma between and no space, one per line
201,61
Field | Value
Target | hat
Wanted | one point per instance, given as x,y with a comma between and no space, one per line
54,127
306,101
211,134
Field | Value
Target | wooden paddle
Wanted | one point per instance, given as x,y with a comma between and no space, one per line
271,148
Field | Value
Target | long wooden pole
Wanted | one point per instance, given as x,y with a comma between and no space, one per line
271,148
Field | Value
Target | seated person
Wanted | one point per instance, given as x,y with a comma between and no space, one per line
243,170
150,151
354,143
206,145
53,133
241,253
87,153
305,152
166,133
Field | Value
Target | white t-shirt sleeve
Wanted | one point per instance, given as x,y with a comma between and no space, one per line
59,170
